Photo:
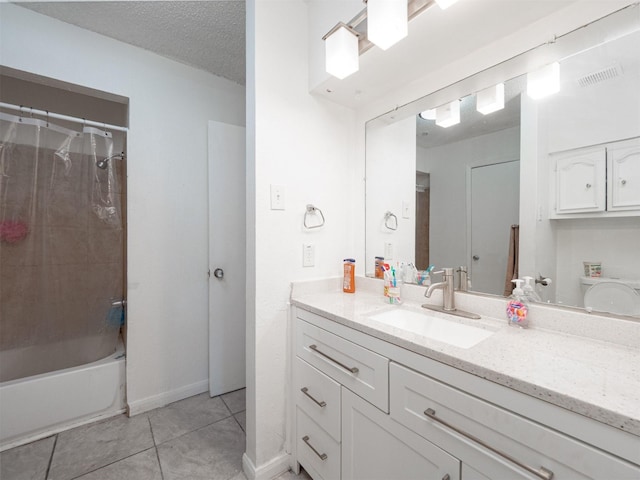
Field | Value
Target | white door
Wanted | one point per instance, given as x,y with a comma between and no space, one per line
495,200
227,260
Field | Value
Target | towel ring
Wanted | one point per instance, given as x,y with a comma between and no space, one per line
387,217
311,210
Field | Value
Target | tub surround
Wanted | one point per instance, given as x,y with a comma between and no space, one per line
585,363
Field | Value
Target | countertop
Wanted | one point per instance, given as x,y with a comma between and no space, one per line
561,358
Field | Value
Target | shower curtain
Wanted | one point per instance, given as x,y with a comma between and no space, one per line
61,246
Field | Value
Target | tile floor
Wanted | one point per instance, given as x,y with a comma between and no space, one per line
196,438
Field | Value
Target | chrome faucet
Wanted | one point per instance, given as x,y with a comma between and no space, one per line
448,298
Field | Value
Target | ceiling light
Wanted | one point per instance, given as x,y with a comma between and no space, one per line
445,3
387,22
448,115
428,114
341,51
544,82
490,99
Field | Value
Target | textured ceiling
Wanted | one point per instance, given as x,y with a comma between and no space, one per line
209,35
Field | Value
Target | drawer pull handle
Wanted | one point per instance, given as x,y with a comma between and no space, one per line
305,390
349,369
446,477
542,472
323,456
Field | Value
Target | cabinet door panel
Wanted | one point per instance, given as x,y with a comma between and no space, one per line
623,162
377,448
580,180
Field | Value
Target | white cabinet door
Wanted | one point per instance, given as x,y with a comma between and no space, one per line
623,167
375,447
580,180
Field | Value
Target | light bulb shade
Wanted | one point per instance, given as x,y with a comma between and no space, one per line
428,114
387,22
490,99
341,52
445,3
448,115
544,82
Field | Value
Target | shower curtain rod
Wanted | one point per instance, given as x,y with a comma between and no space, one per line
28,110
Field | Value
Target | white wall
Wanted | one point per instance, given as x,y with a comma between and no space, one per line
170,105
612,241
391,181
307,146
448,166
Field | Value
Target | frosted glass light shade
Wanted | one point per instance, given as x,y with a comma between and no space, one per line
544,82
445,3
341,53
448,115
490,99
387,22
428,114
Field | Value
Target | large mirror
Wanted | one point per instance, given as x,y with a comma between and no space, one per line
547,188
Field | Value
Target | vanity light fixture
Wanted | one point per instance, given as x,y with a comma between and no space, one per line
444,4
544,81
428,114
490,99
448,115
341,51
387,22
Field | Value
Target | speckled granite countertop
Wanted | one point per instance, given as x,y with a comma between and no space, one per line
585,363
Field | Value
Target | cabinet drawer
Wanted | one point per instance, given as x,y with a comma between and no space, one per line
360,370
318,396
525,442
317,451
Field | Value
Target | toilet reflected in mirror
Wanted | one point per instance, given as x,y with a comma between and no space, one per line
611,295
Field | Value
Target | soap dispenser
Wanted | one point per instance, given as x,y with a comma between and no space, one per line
517,309
529,292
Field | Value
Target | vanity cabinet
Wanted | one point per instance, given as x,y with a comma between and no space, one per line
367,409
597,181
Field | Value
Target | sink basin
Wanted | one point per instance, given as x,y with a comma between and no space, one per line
446,331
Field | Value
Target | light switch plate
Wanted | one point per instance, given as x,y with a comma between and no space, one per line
405,209
277,197
308,255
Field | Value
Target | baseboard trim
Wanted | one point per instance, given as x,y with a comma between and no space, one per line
267,471
145,404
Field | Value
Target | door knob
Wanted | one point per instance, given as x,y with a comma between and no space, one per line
218,273
476,257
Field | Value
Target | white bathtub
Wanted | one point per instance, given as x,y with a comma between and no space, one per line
38,406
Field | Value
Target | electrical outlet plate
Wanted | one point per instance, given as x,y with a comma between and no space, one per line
388,251
308,255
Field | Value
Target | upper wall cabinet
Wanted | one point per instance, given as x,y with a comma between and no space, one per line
623,167
597,181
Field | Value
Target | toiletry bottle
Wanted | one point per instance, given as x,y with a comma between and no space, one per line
386,275
529,292
349,282
379,271
517,309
